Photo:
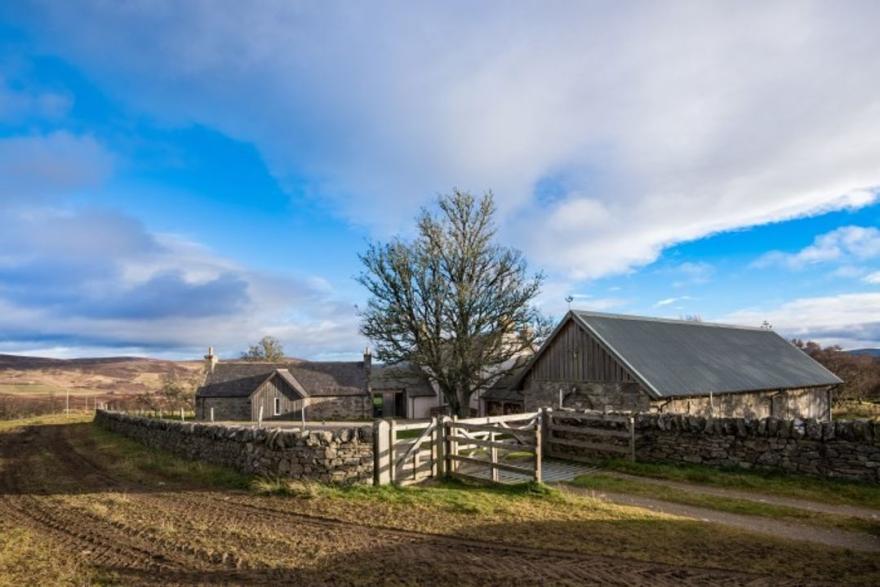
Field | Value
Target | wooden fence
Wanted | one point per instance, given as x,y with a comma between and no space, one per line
597,435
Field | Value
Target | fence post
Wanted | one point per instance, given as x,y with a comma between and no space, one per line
632,439
181,415
453,445
212,413
435,446
546,417
441,446
538,448
392,465
260,418
381,475
493,457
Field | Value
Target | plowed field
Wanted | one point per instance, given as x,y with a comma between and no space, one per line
61,489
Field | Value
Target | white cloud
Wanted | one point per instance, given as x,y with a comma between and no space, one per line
41,167
846,243
79,279
851,320
663,123
873,278
672,300
16,104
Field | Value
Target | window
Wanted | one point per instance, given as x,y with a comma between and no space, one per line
277,406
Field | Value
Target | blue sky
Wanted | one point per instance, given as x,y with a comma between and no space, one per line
174,176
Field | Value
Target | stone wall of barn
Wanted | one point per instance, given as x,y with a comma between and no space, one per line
586,396
846,449
788,404
339,456
629,397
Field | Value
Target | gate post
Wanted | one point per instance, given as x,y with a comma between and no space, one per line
381,474
546,414
436,450
442,446
392,466
632,438
451,446
539,477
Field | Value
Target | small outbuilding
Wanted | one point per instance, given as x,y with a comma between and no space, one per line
617,362
324,390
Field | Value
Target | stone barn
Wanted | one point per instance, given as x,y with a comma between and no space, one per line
616,362
326,390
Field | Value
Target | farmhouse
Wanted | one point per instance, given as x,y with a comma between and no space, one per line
238,390
616,362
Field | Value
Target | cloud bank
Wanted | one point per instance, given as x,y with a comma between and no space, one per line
607,131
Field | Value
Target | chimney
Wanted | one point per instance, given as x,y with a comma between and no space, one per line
368,365
210,360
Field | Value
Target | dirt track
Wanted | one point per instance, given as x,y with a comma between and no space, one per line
198,536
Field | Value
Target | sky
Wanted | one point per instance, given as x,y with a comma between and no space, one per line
175,175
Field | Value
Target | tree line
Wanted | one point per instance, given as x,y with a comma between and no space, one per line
860,373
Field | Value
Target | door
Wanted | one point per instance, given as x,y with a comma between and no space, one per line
400,405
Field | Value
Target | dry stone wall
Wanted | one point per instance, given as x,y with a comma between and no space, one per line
338,456
846,449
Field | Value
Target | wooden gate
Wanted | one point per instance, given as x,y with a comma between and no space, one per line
481,448
512,444
406,452
589,436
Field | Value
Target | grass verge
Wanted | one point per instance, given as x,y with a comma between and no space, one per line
610,483
134,461
795,486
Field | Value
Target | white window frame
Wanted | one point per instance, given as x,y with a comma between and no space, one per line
277,406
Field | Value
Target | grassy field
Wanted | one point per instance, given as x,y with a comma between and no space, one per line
201,523
45,389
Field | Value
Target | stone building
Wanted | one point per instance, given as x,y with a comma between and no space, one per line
616,362
239,390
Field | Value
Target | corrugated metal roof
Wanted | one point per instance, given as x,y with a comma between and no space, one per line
685,358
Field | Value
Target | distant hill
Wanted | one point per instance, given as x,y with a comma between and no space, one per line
865,352
104,376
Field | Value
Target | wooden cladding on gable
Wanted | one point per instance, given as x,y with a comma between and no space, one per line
575,355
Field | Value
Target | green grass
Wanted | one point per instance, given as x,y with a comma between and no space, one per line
856,410
603,482
795,486
133,460
450,495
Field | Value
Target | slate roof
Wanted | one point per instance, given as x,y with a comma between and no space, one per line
401,376
504,389
241,378
679,358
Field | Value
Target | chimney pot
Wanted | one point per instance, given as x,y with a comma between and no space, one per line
210,359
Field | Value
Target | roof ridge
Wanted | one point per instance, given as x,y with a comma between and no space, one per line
588,313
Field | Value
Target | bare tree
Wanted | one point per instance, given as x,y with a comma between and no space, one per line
451,302
177,391
268,349
691,318
860,373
